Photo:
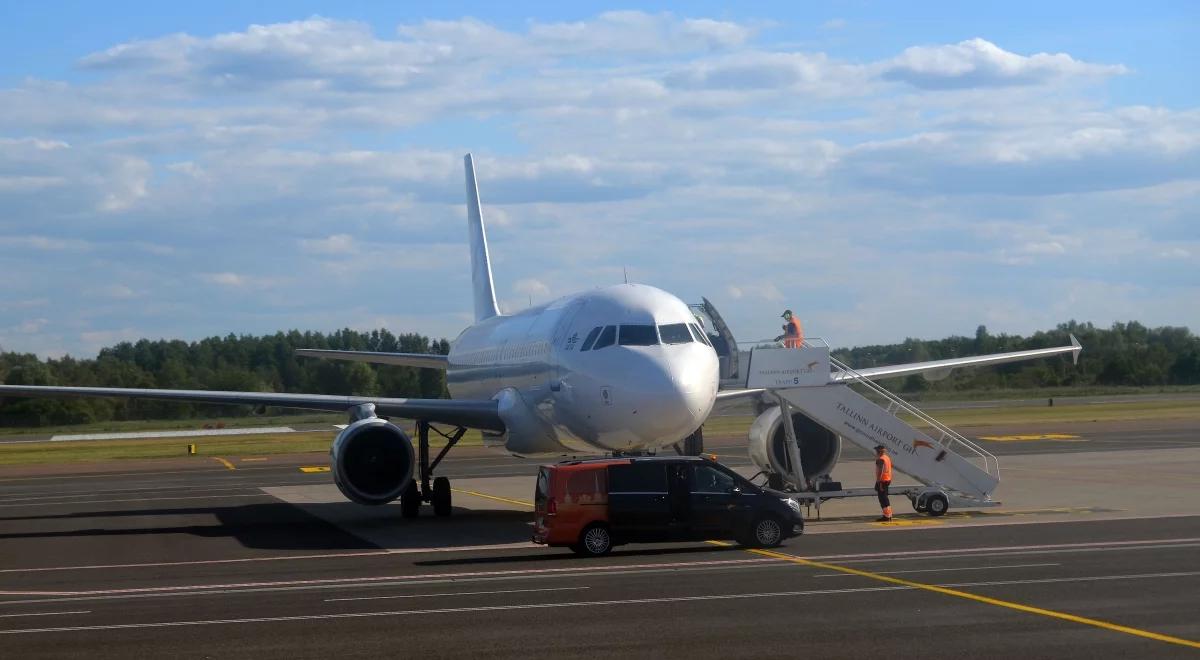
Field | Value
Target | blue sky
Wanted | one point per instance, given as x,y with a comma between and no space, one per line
886,170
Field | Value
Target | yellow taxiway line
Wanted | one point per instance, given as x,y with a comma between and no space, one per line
224,462
493,497
1007,604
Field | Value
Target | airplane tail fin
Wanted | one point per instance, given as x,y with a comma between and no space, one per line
481,265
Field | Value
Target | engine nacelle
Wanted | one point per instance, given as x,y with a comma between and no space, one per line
820,448
372,461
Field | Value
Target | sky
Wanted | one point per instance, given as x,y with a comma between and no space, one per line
886,171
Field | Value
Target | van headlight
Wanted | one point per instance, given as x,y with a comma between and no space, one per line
795,506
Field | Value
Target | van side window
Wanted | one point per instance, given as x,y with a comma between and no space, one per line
607,337
646,477
706,479
591,339
587,487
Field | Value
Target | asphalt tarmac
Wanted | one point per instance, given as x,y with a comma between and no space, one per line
257,558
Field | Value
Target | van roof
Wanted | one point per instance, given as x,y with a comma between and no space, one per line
585,463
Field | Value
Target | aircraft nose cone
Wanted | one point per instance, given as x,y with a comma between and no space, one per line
680,401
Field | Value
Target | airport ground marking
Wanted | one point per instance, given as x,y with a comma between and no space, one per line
224,462
458,593
9,616
987,600
493,497
1062,437
310,469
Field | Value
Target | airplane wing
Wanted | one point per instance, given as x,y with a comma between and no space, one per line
932,369
476,414
424,360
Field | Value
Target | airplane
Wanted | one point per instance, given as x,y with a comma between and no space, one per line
622,370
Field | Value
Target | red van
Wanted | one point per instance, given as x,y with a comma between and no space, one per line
592,505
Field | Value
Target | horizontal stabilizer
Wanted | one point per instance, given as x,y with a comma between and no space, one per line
423,360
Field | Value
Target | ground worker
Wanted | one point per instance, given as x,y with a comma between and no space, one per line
883,480
793,334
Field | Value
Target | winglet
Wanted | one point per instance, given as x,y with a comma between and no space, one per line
481,266
1078,349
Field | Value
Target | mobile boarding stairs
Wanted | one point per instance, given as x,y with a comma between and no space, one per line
954,471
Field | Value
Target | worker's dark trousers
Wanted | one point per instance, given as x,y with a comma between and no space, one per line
881,488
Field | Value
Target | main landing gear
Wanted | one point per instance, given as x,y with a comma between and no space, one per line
434,490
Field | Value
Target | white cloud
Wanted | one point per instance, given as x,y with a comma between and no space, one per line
531,287
333,245
282,166
980,63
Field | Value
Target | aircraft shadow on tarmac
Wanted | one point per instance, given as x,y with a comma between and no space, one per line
283,526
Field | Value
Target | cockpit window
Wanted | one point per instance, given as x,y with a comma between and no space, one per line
675,333
700,335
591,339
638,335
607,337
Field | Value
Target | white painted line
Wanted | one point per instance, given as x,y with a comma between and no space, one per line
938,570
597,603
395,579
136,499
9,616
978,522
283,557
449,610
165,489
995,548
192,433
459,593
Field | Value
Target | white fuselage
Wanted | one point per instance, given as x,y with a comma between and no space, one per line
651,387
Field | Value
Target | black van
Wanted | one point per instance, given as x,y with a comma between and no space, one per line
656,499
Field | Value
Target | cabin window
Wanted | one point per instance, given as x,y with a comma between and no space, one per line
607,337
675,333
638,335
591,339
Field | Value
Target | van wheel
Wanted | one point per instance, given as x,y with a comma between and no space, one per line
594,541
765,532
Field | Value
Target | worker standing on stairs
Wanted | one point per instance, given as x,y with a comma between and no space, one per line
793,334
883,480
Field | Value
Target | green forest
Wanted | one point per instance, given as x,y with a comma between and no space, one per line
1125,354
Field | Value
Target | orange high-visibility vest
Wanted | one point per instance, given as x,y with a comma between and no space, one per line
883,468
794,335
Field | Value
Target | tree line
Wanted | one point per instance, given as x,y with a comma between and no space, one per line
236,363
1126,354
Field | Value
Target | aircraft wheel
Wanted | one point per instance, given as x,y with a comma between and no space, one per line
410,501
937,504
441,496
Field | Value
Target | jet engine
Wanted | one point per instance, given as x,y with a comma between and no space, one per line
820,448
372,461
